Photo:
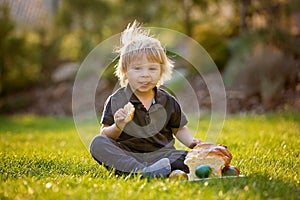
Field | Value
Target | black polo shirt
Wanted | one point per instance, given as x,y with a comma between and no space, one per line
149,130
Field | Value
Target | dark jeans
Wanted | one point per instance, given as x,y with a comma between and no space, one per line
114,155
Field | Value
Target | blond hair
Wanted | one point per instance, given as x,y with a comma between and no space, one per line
136,41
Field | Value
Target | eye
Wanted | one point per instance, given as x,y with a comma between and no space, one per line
137,68
153,69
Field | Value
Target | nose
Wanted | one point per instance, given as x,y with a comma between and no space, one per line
145,72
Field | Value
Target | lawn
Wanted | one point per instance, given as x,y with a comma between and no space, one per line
44,158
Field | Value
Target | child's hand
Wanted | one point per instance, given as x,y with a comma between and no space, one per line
120,117
194,143
124,115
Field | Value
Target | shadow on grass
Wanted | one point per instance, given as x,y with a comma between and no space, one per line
256,184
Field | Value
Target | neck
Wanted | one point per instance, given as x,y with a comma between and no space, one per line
145,95
146,98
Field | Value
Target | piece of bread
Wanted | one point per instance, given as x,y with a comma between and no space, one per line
129,108
216,156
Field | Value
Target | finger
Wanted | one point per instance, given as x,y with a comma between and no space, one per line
198,141
193,144
120,113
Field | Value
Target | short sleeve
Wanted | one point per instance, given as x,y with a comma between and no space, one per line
178,118
107,115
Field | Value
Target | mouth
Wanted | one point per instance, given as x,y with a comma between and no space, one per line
145,84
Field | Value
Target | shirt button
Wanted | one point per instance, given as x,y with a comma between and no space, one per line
147,118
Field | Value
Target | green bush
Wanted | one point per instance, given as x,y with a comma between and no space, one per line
213,42
19,58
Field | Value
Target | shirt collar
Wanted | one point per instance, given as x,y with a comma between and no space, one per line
158,97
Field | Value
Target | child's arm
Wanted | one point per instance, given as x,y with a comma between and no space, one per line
185,137
110,131
114,131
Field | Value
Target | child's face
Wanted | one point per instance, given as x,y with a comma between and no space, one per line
143,75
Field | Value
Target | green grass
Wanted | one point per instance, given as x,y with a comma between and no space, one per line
43,158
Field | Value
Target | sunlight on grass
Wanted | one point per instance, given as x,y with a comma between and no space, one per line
44,158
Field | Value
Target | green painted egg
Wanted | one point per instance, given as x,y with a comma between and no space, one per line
230,171
203,171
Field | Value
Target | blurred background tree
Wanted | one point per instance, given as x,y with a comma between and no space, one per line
245,38
19,60
264,59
